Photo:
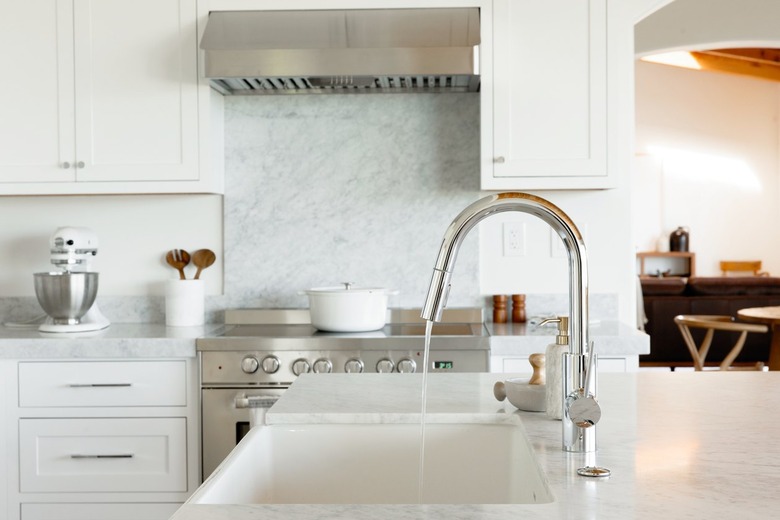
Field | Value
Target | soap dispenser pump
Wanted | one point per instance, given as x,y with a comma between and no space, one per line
554,367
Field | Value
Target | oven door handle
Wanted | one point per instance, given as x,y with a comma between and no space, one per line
255,401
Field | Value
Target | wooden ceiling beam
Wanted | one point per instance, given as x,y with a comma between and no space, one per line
757,63
768,56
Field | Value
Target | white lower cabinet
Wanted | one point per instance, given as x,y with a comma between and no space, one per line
98,455
128,511
99,439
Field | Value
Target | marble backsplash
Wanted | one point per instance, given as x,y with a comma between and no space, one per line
328,189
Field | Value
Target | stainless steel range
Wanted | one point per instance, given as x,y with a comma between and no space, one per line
249,365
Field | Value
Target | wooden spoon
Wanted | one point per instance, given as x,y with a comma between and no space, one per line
178,259
203,258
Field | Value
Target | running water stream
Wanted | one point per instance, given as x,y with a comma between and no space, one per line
421,474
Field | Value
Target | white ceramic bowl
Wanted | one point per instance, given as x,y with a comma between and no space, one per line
521,395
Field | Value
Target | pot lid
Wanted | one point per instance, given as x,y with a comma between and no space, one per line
345,287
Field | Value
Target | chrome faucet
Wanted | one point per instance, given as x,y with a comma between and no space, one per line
580,410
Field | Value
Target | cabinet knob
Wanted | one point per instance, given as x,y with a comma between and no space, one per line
65,165
80,164
499,160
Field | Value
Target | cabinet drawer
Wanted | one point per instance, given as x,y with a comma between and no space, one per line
102,383
71,455
98,511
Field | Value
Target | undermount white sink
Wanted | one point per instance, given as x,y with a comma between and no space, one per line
465,463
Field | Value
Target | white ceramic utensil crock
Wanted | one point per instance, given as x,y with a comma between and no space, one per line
348,308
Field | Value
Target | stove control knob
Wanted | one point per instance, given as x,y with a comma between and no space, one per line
300,366
249,364
270,364
385,366
353,366
323,366
407,366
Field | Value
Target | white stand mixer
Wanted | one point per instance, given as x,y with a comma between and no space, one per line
72,249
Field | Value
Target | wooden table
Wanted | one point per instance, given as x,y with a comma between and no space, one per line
768,316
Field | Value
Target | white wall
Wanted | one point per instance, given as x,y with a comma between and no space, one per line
134,233
709,151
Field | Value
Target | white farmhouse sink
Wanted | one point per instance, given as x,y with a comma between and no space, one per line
378,464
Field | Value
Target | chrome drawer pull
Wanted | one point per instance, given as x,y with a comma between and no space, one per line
99,385
256,401
118,456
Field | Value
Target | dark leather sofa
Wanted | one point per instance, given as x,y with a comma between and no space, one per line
665,298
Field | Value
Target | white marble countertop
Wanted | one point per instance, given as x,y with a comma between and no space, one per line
120,340
523,339
680,445
156,340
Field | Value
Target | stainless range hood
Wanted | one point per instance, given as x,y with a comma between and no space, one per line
342,51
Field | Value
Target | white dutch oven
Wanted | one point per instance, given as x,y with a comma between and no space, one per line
348,308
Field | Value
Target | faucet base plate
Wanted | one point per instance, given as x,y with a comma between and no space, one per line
594,471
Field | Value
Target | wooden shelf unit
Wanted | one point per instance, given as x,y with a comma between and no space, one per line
689,259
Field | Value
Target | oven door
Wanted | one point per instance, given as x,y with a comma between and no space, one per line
226,416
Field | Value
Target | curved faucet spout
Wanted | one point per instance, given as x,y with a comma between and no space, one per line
578,436
524,203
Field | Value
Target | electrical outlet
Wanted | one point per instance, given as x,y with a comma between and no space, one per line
514,238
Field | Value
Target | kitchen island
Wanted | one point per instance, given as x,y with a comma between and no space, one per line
678,444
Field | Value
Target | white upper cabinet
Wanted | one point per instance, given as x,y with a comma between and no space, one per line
100,96
549,97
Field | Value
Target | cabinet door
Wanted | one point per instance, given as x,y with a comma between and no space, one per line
136,90
550,95
103,455
126,511
36,94
102,383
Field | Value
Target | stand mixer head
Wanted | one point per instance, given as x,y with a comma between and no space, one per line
68,295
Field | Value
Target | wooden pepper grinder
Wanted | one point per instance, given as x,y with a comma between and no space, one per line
537,363
518,308
499,308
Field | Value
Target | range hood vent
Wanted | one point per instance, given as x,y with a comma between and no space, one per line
342,51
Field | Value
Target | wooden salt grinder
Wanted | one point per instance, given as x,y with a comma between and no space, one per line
518,308
499,308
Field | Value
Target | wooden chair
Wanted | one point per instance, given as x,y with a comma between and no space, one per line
711,324
749,267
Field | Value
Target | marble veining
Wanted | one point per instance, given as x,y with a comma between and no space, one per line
326,189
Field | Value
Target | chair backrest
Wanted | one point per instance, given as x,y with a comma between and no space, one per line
711,324
742,267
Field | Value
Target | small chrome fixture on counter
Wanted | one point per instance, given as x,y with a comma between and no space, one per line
581,411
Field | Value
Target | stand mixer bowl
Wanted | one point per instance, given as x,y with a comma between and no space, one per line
66,297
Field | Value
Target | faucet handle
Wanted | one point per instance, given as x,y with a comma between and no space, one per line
584,410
